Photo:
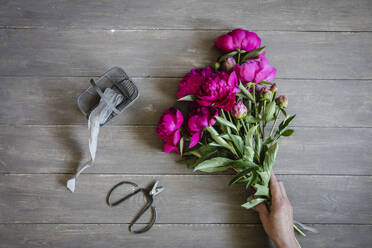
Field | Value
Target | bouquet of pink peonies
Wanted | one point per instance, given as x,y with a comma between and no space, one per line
231,117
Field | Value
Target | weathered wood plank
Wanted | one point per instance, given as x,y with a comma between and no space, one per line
292,15
186,199
312,55
177,235
60,149
52,100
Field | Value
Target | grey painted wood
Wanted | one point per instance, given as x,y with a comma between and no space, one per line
60,149
142,14
49,49
186,199
38,100
172,235
312,55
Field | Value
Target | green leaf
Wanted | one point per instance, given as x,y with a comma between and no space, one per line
288,132
265,177
270,156
228,55
258,144
261,190
214,164
284,112
241,163
286,122
266,82
226,136
250,119
189,98
214,134
238,142
249,136
246,92
253,203
252,180
269,112
194,153
248,153
216,169
225,128
214,144
181,146
268,140
253,53
226,123
240,175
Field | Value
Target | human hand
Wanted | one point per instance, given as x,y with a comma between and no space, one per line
278,220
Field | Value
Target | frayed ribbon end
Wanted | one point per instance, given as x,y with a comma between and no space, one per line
71,184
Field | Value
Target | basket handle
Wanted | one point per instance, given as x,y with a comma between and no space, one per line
100,93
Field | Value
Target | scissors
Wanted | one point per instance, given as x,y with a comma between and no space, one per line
149,192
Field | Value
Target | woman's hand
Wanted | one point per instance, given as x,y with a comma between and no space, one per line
278,220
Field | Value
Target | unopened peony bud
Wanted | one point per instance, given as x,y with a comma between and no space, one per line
239,110
265,94
217,66
228,65
282,101
274,88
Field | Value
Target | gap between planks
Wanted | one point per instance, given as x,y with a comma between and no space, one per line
177,29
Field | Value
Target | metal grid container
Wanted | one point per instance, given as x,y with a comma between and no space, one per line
118,80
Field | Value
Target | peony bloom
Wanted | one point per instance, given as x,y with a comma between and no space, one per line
238,39
239,110
191,82
282,101
199,118
255,71
168,129
219,91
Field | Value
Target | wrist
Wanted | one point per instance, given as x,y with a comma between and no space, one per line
286,243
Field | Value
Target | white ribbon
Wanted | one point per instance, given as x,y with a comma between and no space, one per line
98,116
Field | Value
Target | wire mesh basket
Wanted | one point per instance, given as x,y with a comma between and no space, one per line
116,79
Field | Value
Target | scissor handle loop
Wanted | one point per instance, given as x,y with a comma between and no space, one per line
112,204
149,225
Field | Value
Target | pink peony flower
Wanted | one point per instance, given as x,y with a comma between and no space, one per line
255,71
219,91
239,110
238,39
168,129
199,118
191,82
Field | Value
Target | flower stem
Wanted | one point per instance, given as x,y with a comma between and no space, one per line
254,97
231,120
276,119
298,243
245,128
239,57
264,122
299,230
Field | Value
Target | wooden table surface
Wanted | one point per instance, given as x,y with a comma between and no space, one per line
50,49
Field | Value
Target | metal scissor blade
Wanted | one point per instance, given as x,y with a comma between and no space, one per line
156,189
